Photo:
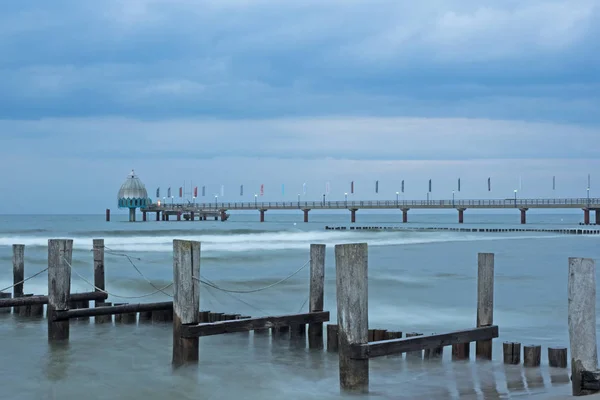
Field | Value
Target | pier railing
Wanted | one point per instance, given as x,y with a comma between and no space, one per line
387,204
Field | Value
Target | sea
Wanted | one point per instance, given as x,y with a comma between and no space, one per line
418,282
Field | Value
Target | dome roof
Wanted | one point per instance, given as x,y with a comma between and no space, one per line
133,188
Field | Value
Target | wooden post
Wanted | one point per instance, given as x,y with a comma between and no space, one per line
485,301
582,321
317,293
512,353
557,357
351,265
332,338
414,354
4,295
98,247
103,319
18,260
532,355
60,255
186,299
461,351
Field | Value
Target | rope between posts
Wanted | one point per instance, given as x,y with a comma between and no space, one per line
112,294
253,290
129,258
24,280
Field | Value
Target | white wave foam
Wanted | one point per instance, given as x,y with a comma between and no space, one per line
270,241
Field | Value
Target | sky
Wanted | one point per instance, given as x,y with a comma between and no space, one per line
229,92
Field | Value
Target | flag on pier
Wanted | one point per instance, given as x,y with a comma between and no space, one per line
241,190
203,191
169,192
304,188
489,184
588,181
376,186
195,191
352,187
222,190
402,185
157,192
262,189
459,184
430,186
180,191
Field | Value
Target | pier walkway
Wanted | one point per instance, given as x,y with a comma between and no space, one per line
218,210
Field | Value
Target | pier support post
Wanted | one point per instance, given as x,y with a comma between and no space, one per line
351,265
461,215
178,215
60,256
108,215
192,216
132,215
597,216
158,215
405,215
186,299
262,215
582,321
586,216
485,301
98,249
18,260
306,210
353,214
317,293
144,218
223,216
523,215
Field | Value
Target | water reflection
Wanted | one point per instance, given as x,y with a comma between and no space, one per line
57,361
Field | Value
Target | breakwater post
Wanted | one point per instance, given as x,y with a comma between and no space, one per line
186,300
351,264
60,255
485,301
18,260
317,293
98,250
582,326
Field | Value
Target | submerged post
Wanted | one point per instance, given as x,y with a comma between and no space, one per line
98,248
60,254
351,264
18,260
317,293
582,321
186,299
485,301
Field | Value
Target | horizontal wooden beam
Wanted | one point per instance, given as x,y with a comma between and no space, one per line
43,299
395,346
590,380
110,310
243,325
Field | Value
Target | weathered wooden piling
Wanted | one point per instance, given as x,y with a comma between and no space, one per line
461,351
60,255
4,295
103,319
485,301
18,260
317,293
98,249
511,352
145,316
186,299
582,324
119,316
417,354
532,355
351,264
332,337
25,311
435,353
557,357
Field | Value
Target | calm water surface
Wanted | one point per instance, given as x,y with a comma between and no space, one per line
418,281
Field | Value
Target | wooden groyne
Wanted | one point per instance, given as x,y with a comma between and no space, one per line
564,231
351,337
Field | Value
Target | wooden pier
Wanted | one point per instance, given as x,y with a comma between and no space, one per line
218,211
352,338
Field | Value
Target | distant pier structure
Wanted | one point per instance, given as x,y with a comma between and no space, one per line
133,195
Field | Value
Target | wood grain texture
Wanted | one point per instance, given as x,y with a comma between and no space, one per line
60,252
317,293
532,355
351,264
42,299
18,260
98,250
103,309
485,301
511,353
557,357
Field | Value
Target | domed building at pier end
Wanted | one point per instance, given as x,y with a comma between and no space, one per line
132,195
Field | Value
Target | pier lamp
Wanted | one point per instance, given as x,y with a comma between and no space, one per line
298,199
397,198
172,197
346,197
515,198
216,198
255,200
453,198
588,197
